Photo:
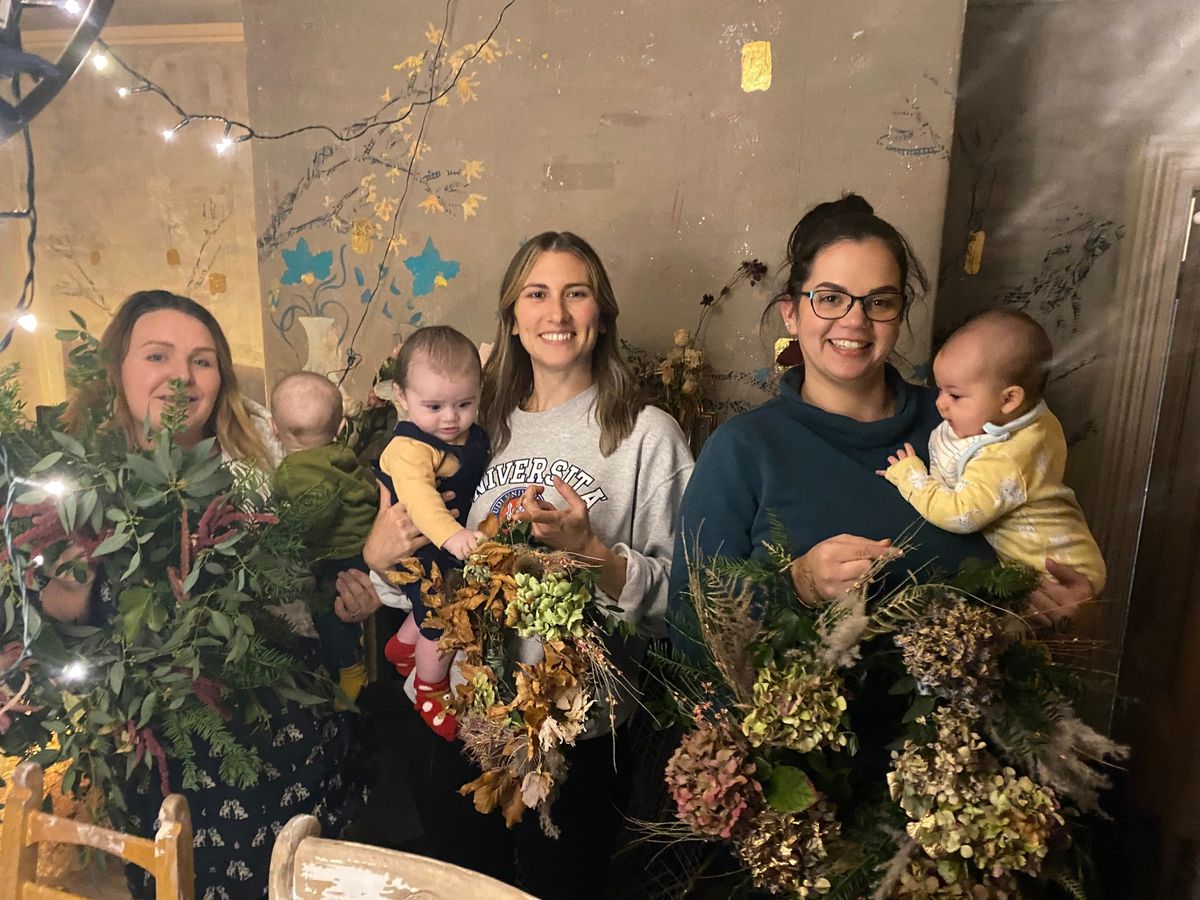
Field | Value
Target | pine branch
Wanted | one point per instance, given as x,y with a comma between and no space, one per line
1072,886
261,666
238,765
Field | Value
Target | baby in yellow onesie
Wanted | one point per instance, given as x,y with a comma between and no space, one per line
996,462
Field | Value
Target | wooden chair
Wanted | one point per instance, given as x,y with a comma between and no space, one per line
168,857
307,867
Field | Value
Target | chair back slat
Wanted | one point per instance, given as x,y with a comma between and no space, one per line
47,827
307,867
168,857
44,892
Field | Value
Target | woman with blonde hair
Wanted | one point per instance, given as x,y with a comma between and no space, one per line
238,424
156,342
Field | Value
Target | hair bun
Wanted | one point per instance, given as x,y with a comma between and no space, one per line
823,214
851,202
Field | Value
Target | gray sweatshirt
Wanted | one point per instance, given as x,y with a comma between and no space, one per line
633,499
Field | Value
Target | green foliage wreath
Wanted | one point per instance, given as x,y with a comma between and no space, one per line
187,649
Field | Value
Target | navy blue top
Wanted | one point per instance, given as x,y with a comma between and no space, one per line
816,471
473,456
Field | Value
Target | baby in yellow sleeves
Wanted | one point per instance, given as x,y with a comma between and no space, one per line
996,462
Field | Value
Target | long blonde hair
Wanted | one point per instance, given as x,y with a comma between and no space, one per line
229,423
508,375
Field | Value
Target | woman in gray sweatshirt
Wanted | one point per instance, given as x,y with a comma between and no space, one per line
599,473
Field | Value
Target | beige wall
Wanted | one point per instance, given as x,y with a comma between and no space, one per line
1056,99
626,122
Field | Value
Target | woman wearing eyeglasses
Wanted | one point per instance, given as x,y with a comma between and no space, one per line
810,455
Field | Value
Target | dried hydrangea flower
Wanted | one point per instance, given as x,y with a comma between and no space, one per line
954,651
786,853
963,804
796,707
550,607
710,780
927,879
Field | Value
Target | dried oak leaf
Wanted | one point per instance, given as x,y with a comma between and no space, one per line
409,571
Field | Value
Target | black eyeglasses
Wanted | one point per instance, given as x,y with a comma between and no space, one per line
885,306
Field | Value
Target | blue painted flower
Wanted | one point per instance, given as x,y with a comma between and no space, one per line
304,265
428,269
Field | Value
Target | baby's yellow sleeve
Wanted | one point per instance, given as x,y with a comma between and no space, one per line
991,487
412,466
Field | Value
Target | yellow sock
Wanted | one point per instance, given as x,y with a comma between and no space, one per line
352,679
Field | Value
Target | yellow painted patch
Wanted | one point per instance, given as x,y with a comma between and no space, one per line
756,66
308,278
471,204
974,258
216,283
94,257
440,281
172,257
362,236
472,169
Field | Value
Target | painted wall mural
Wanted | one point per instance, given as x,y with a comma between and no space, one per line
662,148
339,227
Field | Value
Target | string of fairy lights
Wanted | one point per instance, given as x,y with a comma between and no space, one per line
236,132
105,61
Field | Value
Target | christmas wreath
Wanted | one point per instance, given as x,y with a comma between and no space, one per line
920,744
531,630
188,658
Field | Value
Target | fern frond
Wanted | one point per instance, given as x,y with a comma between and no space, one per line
724,612
694,682
176,732
900,608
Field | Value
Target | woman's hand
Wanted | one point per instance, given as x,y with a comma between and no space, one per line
1061,596
63,598
570,529
394,537
836,566
356,597
567,529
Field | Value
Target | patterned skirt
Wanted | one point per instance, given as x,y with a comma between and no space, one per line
312,764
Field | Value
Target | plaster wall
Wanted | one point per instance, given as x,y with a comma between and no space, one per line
627,123
639,126
120,209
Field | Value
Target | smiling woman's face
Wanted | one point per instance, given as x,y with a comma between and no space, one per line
556,316
852,349
164,345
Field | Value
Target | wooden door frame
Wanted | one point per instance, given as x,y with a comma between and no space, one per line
1162,179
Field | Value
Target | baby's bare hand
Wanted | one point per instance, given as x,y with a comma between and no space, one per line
462,544
902,454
